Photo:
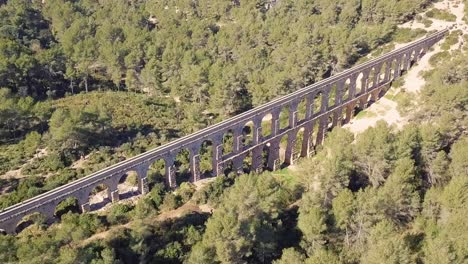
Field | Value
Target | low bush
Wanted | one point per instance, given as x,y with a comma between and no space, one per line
439,58
171,202
403,35
451,39
186,191
441,15
119,214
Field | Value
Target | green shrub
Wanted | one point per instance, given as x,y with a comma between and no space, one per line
398,83
169,254
78,226
213,191
119,214
144,208
31,143
132,179
439,58
404,102
156,174
427,22
451,39
186,191
441,15
170,202
403,35
157,194
53,162
427,74
50,163
60,178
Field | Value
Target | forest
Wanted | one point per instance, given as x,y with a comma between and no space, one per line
110,79
176,66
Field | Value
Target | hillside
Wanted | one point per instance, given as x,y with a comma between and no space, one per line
76,89
88,84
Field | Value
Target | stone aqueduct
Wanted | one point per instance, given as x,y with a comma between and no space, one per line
328,103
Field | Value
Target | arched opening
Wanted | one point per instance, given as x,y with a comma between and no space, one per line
70,204
330,122
35,218
265,153
403,64
332,95
99,197
314,134
369,100
344,116
382,73
393,69
317,104
156,172
284,117
413,58
356,110
297,148
266,125
370,80
359,85
228,142
206,158
282,150
182,166
301,110
346,87
384,90
128,185
422,53
247,134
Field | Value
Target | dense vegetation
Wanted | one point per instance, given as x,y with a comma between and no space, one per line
115,78
205,53
385,196
72,73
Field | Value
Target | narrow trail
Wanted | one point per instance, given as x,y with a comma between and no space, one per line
387,108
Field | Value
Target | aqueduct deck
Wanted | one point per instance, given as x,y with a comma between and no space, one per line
327,103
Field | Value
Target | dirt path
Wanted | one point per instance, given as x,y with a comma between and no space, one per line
187,208
385,108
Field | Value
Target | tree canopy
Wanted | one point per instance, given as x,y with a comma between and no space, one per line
86,84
